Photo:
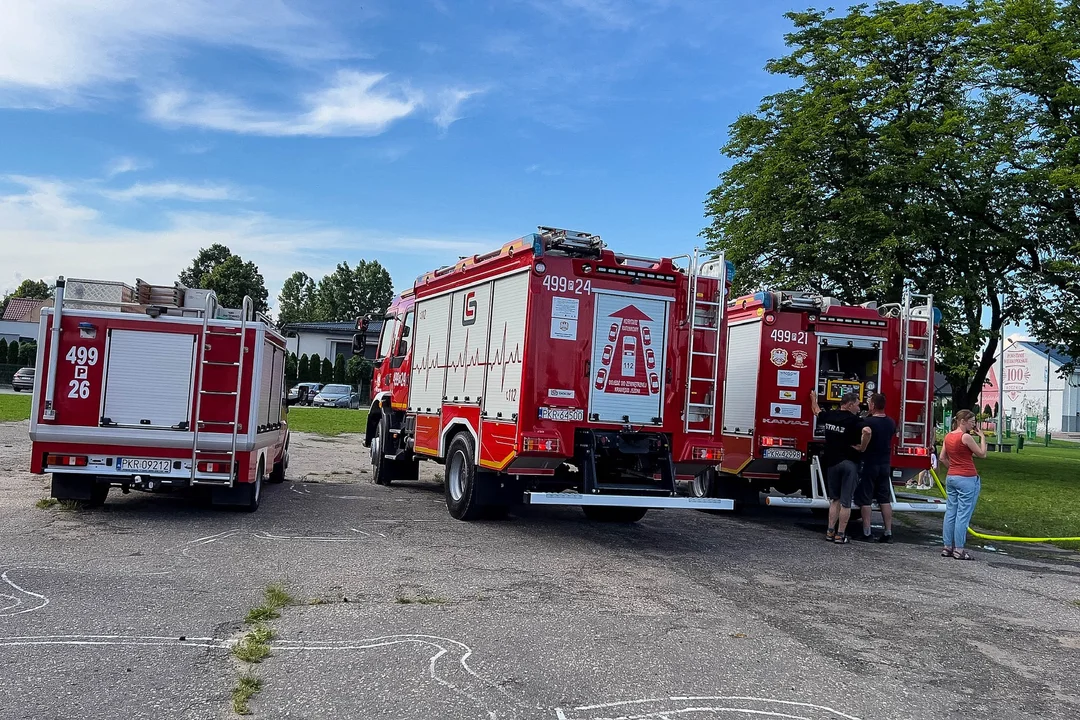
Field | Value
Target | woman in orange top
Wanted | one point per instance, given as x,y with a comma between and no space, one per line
962,483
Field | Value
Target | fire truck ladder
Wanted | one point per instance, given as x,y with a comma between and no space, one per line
203,452
705,318
916,354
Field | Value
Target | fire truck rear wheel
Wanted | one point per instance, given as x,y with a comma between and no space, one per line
254,489
465,486
599,513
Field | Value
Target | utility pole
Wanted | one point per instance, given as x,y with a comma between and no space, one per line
1048,396
1001,385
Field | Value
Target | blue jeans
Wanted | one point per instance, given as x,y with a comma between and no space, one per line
961,492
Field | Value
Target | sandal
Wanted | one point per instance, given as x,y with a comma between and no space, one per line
830,535
947,552
842,539
962,555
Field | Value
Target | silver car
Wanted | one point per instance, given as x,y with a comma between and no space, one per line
337,396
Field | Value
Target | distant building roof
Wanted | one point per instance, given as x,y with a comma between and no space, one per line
1056,356
23,309
331,328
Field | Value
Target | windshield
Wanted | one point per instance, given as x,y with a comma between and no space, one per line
336,389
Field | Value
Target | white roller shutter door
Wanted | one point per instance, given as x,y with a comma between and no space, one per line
149,377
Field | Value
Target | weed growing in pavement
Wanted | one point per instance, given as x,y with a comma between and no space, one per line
246,686
254,647
70,506
276,597
46,503
1076,603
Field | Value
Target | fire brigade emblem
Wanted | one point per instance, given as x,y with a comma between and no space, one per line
798,358
778,357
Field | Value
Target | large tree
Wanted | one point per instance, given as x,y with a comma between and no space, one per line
33,289
349,293
899,155
217,268
296,302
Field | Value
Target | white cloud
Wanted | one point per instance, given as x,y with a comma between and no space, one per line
125,164
175,191
57,51
354,104
60,235
448,105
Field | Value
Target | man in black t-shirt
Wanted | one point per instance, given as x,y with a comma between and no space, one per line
877,468
845,439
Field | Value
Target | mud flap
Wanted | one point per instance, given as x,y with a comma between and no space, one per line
71,486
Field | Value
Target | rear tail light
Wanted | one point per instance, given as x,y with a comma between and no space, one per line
706,453
541,444
213,466
778,442
913,452
69,460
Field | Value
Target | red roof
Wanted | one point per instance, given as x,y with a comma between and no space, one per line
23,309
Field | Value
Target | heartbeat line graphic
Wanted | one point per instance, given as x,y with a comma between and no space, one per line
467,359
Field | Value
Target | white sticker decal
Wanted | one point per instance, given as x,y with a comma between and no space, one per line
563,329
562,307
787,394
561,394
785,410
787,378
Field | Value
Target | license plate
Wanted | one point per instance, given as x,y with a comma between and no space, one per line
562,414
781,454
145,465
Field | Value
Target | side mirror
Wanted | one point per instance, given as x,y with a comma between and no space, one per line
358,342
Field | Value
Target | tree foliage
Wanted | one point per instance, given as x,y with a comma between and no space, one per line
32,289
27,354
326,375
343,295
296,302
359,371
13,353
303,372
339,368
315,368
217,268
3,350
292,370
908,150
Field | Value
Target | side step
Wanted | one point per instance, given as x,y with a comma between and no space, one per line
931,505
568,498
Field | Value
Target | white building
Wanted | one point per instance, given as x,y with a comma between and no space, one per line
1029,367
328,339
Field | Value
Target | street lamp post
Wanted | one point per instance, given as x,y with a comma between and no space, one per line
1047,396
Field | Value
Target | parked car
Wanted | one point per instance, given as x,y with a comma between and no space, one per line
338,396
23,379
303,393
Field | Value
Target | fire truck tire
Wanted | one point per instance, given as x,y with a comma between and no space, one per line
253,491
466,487
382,468
599,513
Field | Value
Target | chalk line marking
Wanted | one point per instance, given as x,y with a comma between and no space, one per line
264,535
367,534
19,601
668,711
127,640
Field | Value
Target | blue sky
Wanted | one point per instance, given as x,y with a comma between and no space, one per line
303,133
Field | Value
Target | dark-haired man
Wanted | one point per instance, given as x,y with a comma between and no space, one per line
877,468
845,439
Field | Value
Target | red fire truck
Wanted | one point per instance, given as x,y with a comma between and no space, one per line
784,345
157,388
554,371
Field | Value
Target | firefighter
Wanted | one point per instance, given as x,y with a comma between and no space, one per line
877,468
845,439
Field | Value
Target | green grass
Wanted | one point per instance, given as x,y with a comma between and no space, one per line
46,503
275,597
327,421
247,685
1033,493
254,647
14,408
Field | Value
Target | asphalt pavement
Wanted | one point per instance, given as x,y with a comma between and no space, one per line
402,612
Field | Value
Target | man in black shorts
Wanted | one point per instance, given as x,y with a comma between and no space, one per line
877,468
845,439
